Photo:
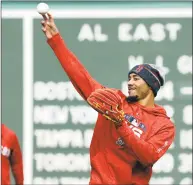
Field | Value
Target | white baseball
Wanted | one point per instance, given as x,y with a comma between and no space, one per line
42,8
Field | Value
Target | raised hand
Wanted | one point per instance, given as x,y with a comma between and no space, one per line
48,25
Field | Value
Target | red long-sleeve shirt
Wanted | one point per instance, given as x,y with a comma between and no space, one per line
124,155
11,157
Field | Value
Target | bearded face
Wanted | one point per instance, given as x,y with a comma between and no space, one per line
137,88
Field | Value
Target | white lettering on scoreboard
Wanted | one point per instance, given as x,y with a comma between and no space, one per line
126,32
63,138
60,162
157,32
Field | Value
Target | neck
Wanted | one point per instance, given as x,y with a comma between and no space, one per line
148,101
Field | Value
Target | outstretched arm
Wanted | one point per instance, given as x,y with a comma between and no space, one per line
79,76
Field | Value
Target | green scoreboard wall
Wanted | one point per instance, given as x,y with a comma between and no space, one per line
53,123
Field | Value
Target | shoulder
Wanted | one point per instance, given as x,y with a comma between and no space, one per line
164,123
8,131
162,116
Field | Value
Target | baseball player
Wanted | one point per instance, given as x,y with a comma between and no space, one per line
131,133
11,157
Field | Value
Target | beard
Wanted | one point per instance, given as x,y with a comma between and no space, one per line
132,99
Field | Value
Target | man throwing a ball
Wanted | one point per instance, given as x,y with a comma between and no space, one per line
131,133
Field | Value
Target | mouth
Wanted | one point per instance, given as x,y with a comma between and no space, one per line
131,90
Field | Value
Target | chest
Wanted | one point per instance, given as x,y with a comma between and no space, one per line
139,121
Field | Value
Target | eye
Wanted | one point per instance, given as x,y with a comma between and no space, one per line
136,79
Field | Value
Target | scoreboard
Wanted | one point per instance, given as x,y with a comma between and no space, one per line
54,124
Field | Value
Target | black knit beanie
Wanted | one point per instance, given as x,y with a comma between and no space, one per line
150,74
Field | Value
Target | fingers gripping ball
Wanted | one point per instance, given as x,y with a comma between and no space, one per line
107,102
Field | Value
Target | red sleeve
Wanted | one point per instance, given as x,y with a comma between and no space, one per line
16,162
79,76
148,152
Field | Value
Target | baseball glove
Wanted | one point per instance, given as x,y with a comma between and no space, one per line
107,102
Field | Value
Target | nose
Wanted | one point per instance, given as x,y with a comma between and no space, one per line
130,82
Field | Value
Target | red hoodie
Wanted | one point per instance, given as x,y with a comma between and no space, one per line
124,155
10,157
